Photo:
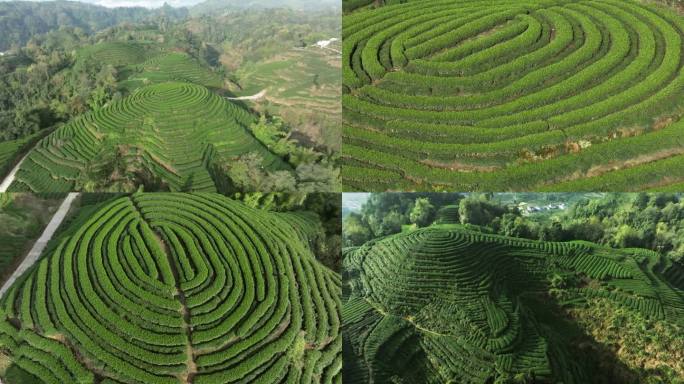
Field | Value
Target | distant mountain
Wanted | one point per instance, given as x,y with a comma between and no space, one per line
210,6
20,20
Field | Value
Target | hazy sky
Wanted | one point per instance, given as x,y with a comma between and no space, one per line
187,3
143,3
354,201
139,3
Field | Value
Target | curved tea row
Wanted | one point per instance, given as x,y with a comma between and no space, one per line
176,130
169,288
512,95
116,53
178,66
446,304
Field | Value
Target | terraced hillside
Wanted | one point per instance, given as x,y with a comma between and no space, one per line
176,131
118,53
513,95
177,288
178,66
10,150
143,63
448,305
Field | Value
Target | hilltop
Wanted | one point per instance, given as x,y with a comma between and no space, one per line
173,132
453,304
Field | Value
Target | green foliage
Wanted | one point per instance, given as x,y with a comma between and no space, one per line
449,304
423,212
511,95
22,219
23,21
16,375
139,282
479,210
355,230
167,135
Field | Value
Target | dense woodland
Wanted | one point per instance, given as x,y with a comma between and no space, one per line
22,20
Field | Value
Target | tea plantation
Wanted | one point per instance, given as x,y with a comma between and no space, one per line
444,304
177,288
512,95
175,130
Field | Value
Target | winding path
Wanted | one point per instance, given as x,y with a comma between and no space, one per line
253,97
41,243
10,177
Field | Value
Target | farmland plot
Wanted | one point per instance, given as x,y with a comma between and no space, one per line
177,288
512,95
445,304
175,130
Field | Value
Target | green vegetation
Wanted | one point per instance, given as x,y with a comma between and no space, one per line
10,149
273,50
310,102
501,95
177,288
174,132
653,221
22,219
82,85
450,303
23,20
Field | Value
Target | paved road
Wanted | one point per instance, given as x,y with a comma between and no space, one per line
41,243
10,177
253,97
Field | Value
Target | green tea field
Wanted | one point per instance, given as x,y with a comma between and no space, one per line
176,131
446,304
175,288
474,95
303,86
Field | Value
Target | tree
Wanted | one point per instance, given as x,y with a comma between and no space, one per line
627,236
479,210
423,212
355,231
318,178
391,223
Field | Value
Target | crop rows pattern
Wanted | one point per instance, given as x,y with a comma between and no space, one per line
116,53
448,305
177,288
513,95
177,130
178,66
9,151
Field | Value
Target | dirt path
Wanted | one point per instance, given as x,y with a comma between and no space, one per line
333,49
253,97
10,177
191,367
41,243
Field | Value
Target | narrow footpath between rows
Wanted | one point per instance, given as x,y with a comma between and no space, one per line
41,243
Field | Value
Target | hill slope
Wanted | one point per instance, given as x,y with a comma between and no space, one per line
449,305
176,288
176,131
24,19
513,95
